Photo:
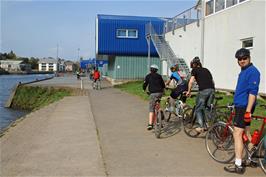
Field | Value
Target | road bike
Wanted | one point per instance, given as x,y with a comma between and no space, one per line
211,115
219,142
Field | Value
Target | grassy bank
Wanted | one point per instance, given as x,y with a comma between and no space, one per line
32,98
136,89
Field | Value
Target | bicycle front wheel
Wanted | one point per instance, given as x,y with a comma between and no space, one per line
262,155
219,142
158,124
189,123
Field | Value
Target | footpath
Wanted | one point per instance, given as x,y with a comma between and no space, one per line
102,134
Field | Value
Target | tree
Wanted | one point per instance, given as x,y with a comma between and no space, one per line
34,62
11,55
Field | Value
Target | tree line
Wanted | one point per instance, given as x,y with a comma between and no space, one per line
25,60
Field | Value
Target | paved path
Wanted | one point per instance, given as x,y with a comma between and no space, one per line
102,134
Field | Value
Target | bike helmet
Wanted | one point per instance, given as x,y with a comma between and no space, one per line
154,66
242,53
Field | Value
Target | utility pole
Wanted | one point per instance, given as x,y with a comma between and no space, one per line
57,46
78,54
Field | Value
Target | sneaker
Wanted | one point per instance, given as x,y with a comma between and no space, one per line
235,169
149,127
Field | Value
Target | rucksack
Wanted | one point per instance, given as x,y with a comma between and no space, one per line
96,75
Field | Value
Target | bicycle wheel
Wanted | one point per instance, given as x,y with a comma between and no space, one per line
219,142
189,123
158,123
262,156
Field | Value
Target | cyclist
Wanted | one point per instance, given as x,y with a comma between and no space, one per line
244,100
156,86
96,76
180,86
205,96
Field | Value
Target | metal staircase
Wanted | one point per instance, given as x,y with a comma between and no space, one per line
165,52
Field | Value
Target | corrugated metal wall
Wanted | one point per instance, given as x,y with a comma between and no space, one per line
130,67
109,44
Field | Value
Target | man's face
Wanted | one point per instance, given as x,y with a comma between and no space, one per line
243,61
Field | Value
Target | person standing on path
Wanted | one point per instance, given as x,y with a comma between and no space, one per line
156,86
205,96
244,100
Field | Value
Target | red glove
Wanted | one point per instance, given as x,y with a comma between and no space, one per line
247,117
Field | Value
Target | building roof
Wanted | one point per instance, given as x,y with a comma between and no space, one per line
14,62
124,17
48,60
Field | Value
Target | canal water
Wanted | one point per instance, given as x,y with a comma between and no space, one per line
7,83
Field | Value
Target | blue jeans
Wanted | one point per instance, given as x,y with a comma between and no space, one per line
204,99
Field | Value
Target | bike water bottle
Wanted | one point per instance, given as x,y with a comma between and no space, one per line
255,137
245,137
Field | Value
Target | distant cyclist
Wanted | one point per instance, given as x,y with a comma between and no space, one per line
179,84
205,96
156,86
96,75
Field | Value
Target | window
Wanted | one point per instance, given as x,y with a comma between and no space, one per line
219,5
127,33
209,7
51,66
241,0
43,66
247,43
230,3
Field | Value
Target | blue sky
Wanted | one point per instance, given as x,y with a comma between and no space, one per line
34,28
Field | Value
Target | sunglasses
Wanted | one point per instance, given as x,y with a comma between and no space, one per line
244,58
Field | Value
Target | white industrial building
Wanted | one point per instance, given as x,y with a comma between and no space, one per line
223,27
48,64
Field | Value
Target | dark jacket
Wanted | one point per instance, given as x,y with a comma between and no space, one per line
155,83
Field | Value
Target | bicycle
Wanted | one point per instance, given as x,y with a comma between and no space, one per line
211,115
179,109
158,119
96,84
219,142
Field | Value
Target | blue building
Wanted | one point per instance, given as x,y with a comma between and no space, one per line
122,40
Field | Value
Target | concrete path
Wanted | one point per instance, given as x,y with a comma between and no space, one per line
130,150
103,134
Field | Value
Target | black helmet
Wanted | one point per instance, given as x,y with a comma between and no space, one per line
196,61
242,53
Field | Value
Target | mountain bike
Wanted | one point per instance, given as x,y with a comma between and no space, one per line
96,84
179,109
219,142
211,115
158,119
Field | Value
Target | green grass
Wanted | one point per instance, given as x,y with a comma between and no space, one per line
135,88
32,98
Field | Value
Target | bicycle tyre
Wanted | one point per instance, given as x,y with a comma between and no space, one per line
158,124
262,154
189,123
219,142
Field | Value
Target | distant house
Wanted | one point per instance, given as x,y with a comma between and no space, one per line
48,64
14,65
122,41
69,66
61,65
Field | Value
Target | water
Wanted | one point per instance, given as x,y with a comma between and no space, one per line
7,83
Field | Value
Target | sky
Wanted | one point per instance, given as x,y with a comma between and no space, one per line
37,28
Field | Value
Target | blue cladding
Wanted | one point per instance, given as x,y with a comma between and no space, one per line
109,44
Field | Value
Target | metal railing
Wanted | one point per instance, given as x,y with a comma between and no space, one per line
181,20
164,51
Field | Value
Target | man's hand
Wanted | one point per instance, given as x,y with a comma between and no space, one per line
188,94
247,117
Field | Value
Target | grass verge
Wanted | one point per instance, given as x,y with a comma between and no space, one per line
136,89
32,98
